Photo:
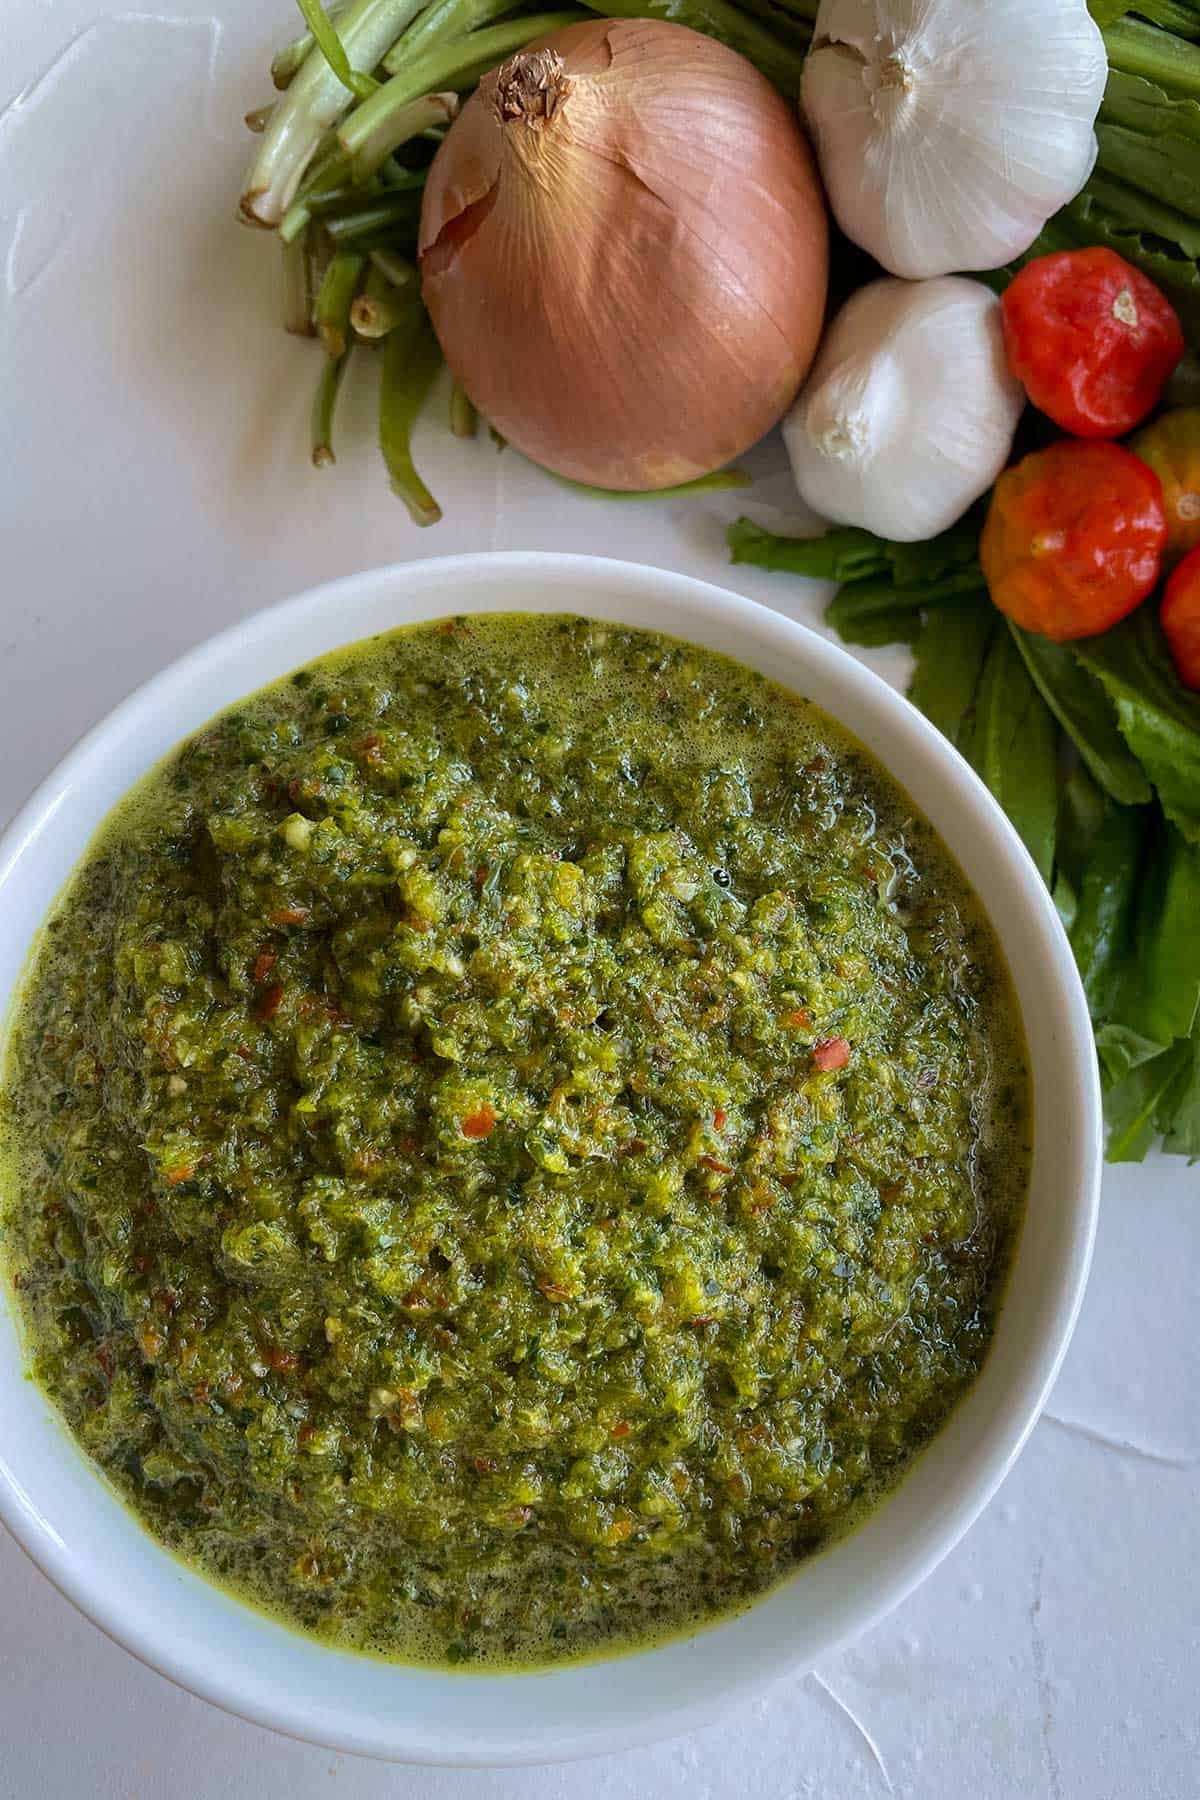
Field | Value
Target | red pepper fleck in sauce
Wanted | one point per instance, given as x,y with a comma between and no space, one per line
268,1003
264,962
480,1123
289,915
831,1053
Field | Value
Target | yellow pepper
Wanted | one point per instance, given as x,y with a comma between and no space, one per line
1172,448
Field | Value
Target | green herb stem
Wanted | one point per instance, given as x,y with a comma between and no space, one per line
1167,167
399,123
1141,105
315,100
297,290
324,406
372,131
793,22
399,180
380,308
336,201
398,269
411,358
334,301
287,63
464,420
713,482
1140,49
325,36
361,223
442,23
1179,16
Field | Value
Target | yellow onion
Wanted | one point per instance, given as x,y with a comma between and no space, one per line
624,253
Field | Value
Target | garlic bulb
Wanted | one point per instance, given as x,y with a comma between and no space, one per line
949,131
909,413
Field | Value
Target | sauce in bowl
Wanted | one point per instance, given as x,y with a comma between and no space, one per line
515,1137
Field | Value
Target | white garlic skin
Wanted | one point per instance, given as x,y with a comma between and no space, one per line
949,131
910,410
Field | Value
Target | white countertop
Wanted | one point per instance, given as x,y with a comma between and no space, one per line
153,487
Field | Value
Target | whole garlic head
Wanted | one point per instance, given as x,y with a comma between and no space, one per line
949,131
909,413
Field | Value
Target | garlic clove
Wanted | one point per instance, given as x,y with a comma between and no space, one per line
949,131
909,413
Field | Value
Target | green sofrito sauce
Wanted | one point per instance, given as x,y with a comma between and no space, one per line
515,1137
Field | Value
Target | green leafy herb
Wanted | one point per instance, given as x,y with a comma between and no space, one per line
1012,743
1121,1049
950,653
1158,719
1181,1106
1106,884
845,553
867,613
1081,706
1159,987
1081,810
1144,1104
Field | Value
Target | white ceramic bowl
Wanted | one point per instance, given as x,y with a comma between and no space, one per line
67,1519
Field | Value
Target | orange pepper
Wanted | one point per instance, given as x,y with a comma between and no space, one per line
1172,448
1073,538
1180,615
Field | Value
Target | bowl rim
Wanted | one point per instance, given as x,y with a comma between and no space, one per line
74,1571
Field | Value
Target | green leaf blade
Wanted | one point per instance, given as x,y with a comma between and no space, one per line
1134,1106
950,655
1079,703
1014,749
1157,717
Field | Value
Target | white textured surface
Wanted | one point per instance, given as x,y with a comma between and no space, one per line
153,486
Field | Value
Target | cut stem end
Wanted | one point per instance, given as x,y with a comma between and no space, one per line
530,87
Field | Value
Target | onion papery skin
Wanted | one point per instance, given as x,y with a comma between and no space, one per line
630,285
